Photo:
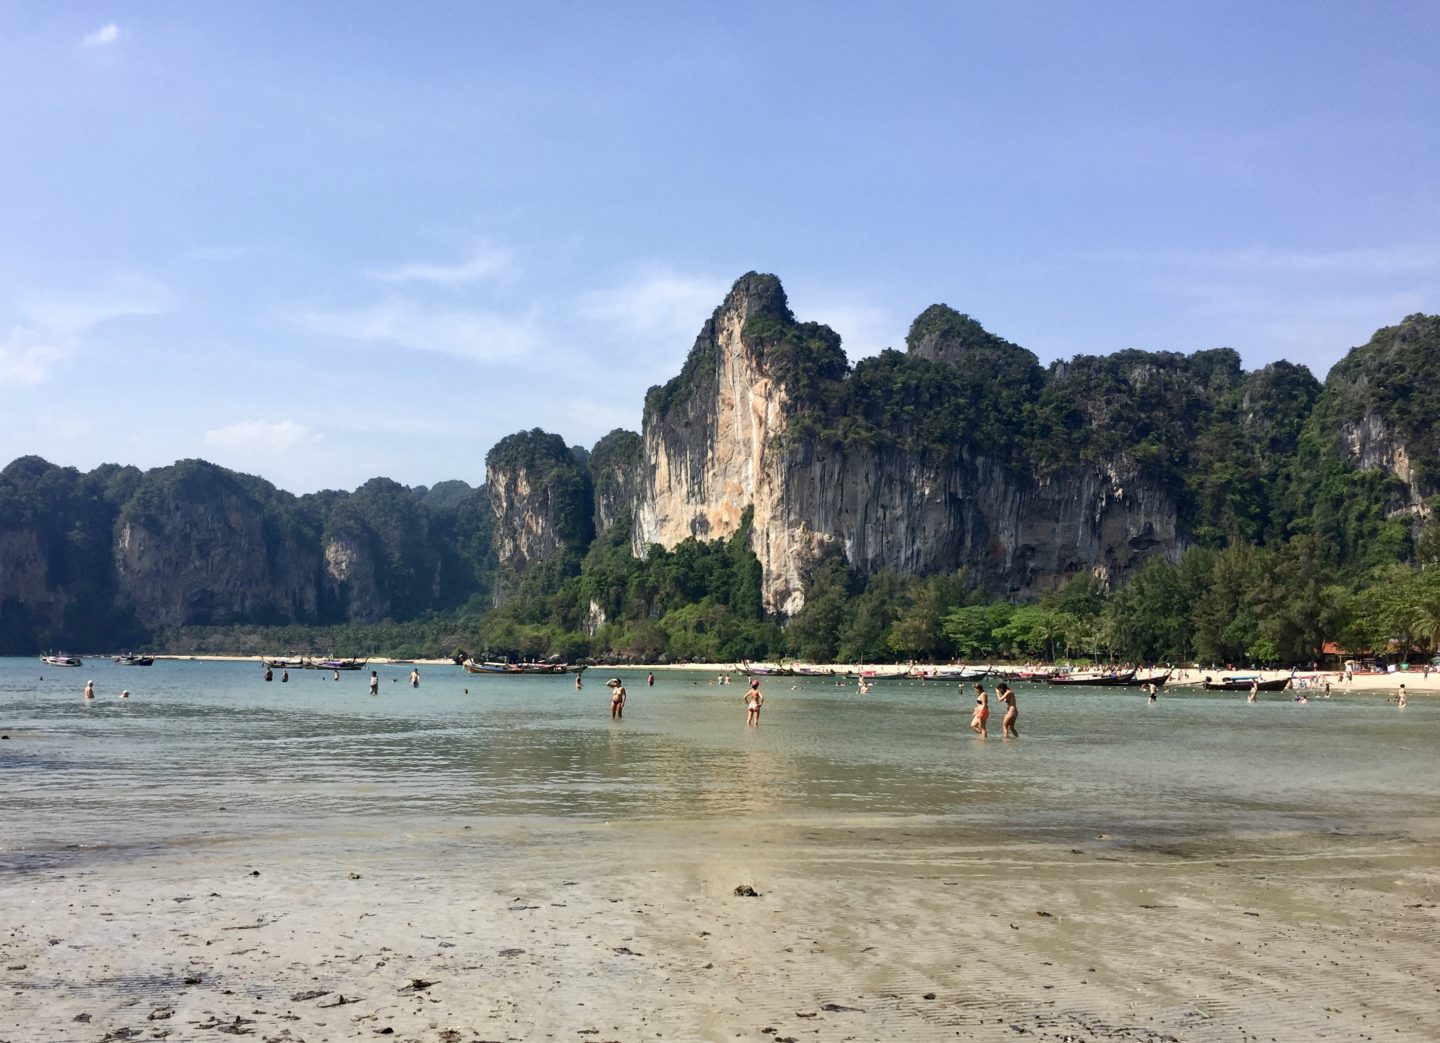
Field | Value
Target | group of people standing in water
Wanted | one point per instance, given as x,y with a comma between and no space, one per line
1006,695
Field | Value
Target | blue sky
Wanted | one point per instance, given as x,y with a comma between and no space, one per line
326,241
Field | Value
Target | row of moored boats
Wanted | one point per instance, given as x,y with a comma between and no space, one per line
64,659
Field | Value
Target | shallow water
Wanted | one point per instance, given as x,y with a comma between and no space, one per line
207,752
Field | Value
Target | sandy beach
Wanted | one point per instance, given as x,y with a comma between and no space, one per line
488,860
871,931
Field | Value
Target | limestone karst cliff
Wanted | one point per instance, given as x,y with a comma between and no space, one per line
767,415
960,456
542,500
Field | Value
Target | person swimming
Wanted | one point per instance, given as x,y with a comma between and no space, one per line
89,689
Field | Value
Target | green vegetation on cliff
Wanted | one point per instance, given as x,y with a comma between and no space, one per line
1300,511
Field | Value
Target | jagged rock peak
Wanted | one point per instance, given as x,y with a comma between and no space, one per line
755,302
756,294
943,334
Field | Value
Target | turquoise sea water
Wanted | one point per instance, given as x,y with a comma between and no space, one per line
207,751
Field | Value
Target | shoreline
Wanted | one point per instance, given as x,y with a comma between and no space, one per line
1415,680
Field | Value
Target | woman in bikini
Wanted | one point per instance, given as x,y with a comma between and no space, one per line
617,701
754,699
1006,695
982,711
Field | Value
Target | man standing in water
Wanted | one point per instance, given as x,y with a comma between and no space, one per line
1006,695
374,683
415,677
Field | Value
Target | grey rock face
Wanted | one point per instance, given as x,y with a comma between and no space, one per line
721,441
207,559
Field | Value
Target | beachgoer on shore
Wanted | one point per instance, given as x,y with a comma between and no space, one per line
618,696
754,700
982,711
374,683
1006,695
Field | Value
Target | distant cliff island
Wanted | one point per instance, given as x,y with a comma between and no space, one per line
956,499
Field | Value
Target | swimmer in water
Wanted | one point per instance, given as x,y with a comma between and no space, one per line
1006,695
1254,690
89,689
415,677
578,684
617,702
982,711
125,694
754,699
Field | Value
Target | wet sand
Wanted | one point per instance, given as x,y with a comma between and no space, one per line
861,929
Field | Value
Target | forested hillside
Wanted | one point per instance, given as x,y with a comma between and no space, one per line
954,499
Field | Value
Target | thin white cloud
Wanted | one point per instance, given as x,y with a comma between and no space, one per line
662,309
71,314
26,357
51,326
484,262
261,436
467,334
103,37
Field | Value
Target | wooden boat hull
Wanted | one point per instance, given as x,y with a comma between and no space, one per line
134,660
1225,684
1112,681
517,669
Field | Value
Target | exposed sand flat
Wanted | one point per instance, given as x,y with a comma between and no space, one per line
868,930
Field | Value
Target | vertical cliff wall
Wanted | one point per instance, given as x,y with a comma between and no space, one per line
615,475
766,415
542,500
195,545
1379,406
